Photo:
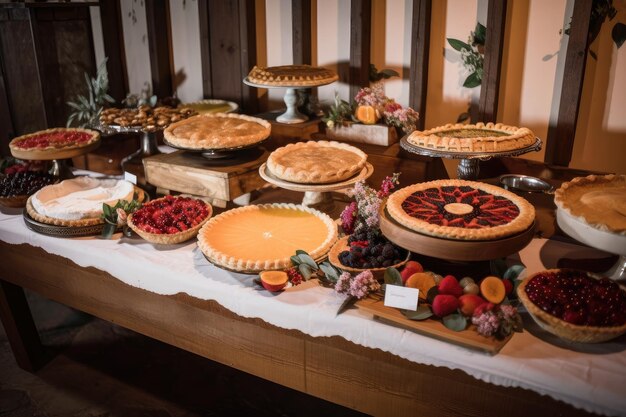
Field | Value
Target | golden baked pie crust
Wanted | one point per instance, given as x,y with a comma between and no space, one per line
596,200
217,131
292,75
481,137
220,257
519,224
28,153
316,162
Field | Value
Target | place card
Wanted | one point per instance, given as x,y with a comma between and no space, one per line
401,297
130,177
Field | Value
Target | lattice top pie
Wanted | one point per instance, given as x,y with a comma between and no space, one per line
477,137
599,201
217,131
256,238
463,210
316,162
52,141
292,75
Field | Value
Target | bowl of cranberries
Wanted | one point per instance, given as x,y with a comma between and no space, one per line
169,220
371,251
575,305
16,187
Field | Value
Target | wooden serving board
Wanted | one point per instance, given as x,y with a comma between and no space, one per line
430,327
450,249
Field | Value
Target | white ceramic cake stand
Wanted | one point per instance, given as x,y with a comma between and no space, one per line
599,239
317,195
292,115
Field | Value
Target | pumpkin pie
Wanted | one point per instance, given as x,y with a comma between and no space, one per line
217,131
78,201
54,143
596,200
461,210
292,75
261,237
316,162
479,137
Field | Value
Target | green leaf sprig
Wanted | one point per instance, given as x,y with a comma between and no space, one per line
111,217
472,54
86,110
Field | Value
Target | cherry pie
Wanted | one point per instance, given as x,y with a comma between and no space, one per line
463,210
170,220
52,143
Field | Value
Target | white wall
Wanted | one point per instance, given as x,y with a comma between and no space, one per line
136,45
186,49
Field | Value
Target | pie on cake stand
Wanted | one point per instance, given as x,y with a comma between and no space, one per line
471,144
592,210
291,77
56,145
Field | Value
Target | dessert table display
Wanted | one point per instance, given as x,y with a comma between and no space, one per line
471,144
291,77
56,145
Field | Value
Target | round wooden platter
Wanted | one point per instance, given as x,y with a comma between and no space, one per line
342,245
49,155
268,176
450,249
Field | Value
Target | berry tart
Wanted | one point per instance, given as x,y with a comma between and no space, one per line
16,188
57,143
316,162
170,220
264,237
479,137
78,202
217,131
575,305
292,75
460,210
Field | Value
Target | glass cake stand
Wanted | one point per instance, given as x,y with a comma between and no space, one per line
469,167
292,115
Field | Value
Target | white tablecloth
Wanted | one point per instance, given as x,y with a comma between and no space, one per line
592,377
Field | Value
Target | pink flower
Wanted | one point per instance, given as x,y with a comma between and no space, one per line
348,217
343,283
121,216
363,284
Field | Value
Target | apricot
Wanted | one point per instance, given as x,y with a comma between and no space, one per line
410,268
423,281
274,281
492,289
469,302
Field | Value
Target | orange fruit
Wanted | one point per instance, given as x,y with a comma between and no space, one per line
492,289
423,281
366,115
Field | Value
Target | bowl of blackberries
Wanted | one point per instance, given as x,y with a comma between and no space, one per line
367,250
15,188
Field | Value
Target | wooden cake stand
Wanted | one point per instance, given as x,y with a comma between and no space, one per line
59,158
316,195
451,249
292,115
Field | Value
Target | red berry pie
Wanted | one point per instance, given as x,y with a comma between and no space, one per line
462,210
170,220
55,143
574,305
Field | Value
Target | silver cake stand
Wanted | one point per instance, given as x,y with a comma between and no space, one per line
292,115
147,144
469,167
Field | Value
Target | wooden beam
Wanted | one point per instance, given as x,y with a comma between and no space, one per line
360,32
160,45
420,49
494,41
205,48
301,31
560,141
247,55
113,38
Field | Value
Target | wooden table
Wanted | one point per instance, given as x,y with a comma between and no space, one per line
331,368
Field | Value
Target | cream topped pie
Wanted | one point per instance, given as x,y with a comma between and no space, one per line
217,131
479,137
261,237
292,75
462,210
52,142
596,200
316,162
77,202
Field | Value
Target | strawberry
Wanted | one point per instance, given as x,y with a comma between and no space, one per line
449,285
508,286
444,304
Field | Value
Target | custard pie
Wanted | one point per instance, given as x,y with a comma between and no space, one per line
292,75
479,137
316,162
217,131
